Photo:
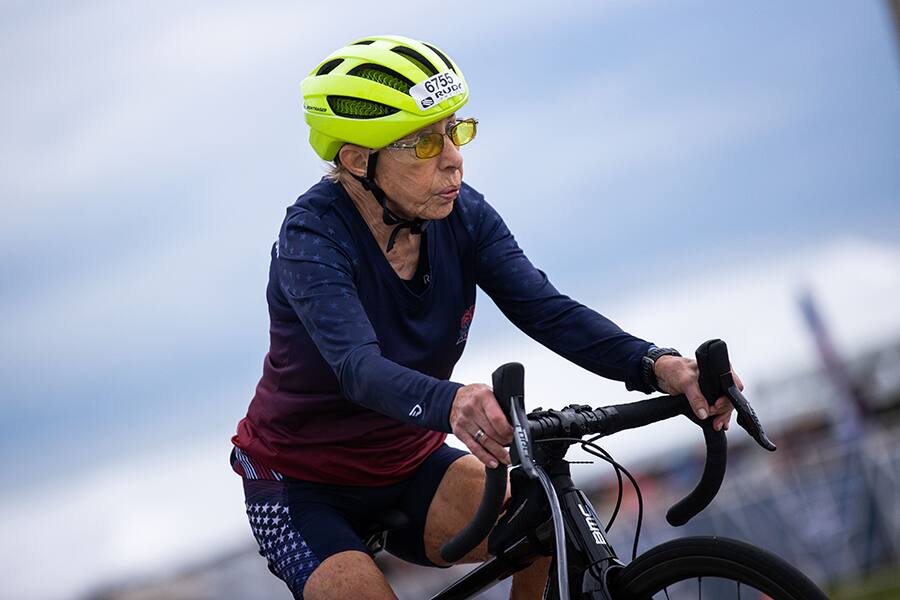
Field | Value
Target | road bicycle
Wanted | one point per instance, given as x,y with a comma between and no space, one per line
548,516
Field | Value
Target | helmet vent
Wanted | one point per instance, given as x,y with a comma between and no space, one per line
363,43
417,59
382,75
329,66
359,108
443,57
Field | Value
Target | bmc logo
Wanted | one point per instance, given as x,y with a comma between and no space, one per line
591,521
416,411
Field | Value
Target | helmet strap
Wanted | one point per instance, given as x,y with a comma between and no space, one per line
416,226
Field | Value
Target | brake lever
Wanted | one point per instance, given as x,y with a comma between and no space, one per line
746,416
716,379
521,448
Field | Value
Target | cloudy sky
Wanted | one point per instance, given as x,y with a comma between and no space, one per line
683,167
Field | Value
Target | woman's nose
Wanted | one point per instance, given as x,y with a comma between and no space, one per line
450,155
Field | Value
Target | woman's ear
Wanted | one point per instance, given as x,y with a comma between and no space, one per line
354,158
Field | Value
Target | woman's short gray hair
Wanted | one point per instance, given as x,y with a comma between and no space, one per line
336,171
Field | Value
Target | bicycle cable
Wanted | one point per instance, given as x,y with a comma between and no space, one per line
601,453
615,512
594,450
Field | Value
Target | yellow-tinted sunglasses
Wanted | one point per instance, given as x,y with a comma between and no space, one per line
429,145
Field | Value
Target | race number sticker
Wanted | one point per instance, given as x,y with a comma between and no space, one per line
436,89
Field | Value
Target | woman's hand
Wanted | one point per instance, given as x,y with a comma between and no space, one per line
677,375
478,421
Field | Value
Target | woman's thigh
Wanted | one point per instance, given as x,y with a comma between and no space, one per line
453,506
418,494
300,536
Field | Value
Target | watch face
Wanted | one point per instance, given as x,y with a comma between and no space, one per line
656,353
647,372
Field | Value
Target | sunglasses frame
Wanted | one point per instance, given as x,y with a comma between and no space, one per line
448,131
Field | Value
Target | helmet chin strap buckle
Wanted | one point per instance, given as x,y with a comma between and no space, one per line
415,226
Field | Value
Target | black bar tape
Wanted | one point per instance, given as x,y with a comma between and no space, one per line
638,414
710,482
488,511
508,380
713,363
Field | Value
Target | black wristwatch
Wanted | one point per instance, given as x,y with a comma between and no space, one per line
649,360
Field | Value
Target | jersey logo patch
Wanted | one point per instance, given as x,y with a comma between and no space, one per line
464,324
416,411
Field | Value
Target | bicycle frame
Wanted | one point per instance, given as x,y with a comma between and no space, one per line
587,572
592,559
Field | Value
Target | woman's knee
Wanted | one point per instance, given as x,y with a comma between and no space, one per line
349,574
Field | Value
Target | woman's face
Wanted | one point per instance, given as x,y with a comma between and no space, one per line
421,188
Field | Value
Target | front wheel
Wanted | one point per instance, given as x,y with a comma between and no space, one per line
711,567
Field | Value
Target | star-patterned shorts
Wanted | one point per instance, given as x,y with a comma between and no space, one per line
298,524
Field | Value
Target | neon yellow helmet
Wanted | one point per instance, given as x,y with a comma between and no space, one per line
377,90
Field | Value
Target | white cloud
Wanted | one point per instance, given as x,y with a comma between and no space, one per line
154,514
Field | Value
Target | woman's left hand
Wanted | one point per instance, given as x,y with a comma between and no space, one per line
678,375
478,421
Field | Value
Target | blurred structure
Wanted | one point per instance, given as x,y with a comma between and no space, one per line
849,406
894,7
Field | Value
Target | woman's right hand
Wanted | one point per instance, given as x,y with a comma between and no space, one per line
474,410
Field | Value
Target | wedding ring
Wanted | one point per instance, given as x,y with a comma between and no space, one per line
479,435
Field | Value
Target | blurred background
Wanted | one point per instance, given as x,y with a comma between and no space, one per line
689,169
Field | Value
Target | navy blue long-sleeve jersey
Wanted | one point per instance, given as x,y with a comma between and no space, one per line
356,385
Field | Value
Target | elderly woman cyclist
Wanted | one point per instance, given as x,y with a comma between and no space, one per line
371,294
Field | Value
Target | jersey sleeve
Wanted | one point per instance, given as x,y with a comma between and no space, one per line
316,270
525,295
